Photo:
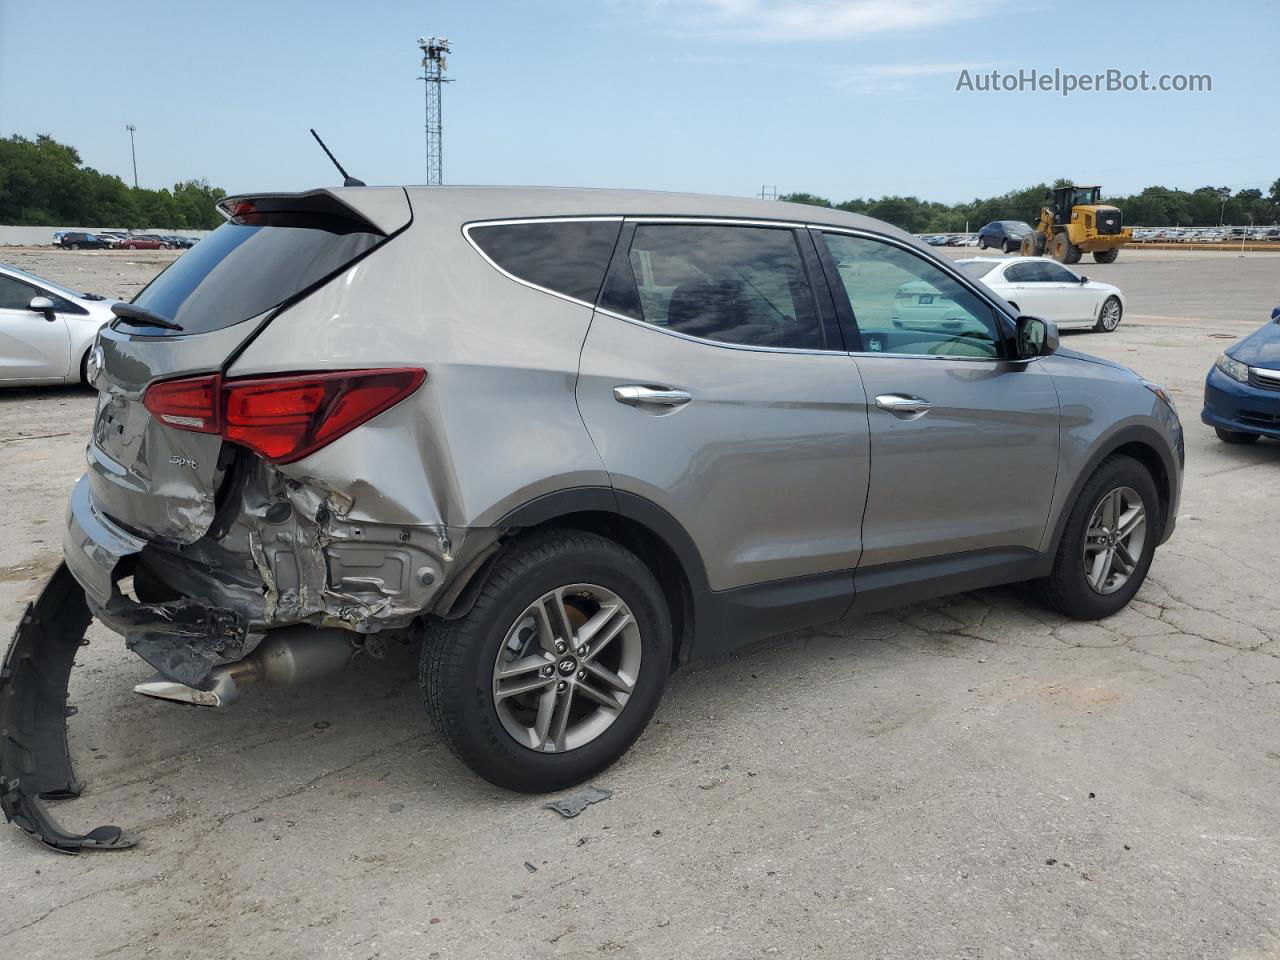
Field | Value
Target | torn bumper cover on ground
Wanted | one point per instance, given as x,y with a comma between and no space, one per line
35,762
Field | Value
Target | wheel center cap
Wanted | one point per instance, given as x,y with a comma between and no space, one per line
567,666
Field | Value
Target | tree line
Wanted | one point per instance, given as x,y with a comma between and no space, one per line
43,182
1152,207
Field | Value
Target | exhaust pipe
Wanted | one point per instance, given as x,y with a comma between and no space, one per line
286,656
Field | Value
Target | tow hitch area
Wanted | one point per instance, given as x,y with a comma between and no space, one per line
35,762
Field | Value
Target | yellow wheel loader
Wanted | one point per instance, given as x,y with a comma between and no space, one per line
1073,223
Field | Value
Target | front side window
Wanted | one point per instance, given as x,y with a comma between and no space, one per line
737,285
567,257
15,295
903,304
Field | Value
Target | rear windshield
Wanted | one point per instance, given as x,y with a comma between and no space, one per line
240,271
978,268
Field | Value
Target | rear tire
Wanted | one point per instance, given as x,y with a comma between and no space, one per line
75,246
1235,436
1068,588
1106,256
461,659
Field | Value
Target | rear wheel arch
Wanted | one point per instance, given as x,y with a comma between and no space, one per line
644,528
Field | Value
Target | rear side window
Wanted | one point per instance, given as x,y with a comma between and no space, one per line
979,268
241,270
566,257
739,285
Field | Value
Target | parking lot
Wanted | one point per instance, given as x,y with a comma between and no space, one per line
969,778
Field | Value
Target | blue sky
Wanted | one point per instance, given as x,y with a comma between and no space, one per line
839,97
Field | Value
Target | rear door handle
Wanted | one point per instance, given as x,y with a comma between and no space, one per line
638,395
903,405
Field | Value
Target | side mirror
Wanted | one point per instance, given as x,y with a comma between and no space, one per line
42,305
1035,337
1275,314
1084,280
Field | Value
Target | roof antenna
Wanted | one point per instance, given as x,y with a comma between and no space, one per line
347,179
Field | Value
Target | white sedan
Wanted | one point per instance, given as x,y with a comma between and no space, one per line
1043,288
46,330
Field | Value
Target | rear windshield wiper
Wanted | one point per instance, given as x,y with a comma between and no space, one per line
142,317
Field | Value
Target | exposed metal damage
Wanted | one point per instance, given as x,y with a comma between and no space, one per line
290,580
278,552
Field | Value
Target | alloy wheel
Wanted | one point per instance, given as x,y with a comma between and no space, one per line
1110,315
1114,540
566,668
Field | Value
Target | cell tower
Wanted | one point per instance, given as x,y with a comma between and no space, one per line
434,66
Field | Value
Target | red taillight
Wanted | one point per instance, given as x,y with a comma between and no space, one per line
187,404
286,417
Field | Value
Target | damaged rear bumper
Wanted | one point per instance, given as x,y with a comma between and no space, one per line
182,638
35,763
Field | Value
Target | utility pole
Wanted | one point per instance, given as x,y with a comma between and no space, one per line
134,151
434,66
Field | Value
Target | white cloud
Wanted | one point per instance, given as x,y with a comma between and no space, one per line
815,19
895,76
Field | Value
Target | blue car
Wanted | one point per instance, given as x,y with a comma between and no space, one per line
1242,392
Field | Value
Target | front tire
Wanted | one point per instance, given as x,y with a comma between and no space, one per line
1235,436
1107,546
982,243
1106,256
558,666
1109,315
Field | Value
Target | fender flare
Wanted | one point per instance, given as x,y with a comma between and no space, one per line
1135,433
699,610
645,512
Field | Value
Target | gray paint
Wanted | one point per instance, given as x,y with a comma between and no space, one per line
778,467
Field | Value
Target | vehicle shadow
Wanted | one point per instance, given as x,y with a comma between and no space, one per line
364,734
16,394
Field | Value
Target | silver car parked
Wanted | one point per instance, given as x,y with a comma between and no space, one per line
567,440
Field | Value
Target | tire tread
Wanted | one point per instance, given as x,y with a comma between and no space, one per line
442,667
1054,590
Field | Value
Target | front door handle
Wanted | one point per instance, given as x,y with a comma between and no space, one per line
903,405
638,395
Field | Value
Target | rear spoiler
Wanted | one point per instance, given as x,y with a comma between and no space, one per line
382,210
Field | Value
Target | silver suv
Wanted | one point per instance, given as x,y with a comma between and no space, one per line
566,440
